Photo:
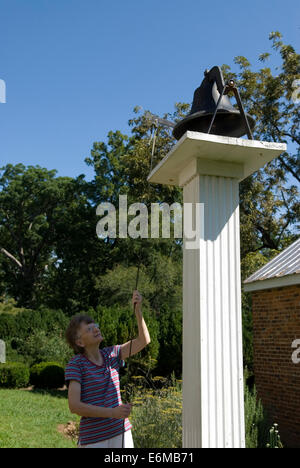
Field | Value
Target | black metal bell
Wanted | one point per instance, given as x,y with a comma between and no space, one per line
211,104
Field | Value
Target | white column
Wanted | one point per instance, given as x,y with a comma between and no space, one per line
209,168
213,406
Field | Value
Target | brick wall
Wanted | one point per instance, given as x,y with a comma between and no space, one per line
276,324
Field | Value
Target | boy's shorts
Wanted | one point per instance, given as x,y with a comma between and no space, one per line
114,442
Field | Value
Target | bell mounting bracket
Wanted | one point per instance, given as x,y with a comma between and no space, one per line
223,90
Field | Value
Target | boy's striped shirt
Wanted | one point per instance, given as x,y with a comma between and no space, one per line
100,386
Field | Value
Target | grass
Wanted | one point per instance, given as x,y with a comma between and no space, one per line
29,419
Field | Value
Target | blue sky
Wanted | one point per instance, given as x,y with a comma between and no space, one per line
75,69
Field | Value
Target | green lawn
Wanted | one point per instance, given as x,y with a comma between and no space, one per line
29,419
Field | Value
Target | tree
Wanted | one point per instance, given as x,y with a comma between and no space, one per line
39,216
269,199
28,200
121,168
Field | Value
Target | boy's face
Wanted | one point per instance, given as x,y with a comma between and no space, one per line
88,335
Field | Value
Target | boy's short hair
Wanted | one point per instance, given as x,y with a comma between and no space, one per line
72,331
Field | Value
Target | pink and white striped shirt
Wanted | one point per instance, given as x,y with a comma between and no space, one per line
100,386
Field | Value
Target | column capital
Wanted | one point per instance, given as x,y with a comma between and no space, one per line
202,166
242,156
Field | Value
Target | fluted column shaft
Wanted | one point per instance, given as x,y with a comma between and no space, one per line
213,403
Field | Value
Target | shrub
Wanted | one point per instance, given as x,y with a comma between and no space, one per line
47,375
26,322
45,347
14,375
256,419
157,417
8,305
35,336
170,342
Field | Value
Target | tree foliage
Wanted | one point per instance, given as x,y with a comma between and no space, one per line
269,199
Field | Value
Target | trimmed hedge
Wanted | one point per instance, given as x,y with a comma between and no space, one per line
47,375
26,322
14,375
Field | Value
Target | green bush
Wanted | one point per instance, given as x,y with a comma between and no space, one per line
47,375
34,336
170,342
157,416
26,322
256,419
45,347
14,375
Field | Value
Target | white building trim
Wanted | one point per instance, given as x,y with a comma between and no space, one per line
271,283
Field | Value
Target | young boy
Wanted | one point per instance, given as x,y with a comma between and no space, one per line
93,381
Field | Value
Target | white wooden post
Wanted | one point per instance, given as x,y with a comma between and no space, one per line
209,168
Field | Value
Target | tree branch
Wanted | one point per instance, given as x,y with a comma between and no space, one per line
17,239
288,168
9,255
284,133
